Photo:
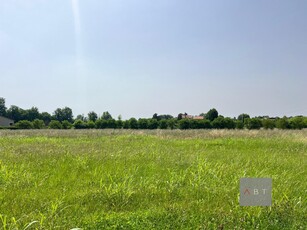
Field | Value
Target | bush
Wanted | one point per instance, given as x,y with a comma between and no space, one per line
90,124
184,124
171,123
143,123
38,124
66,124
111,124
268,123
253,123
163,124
153,124
239,124
54,124
283,123
101,124
296,122
78,124
133,123
24,125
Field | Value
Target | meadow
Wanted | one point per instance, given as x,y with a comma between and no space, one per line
159,179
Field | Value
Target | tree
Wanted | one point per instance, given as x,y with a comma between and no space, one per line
155,116
81,117
90,125
2,107
171,123
119,124
106,116
66,124
243,116
163,124
143,123
54,124
212,114
46,117
38,124
184,124
268,123
111,123
23,124
296,122
153,124
63,114
32,114
282,123
101,124
218,123
204,124
253,123
15,113
92,116
79,124
133,123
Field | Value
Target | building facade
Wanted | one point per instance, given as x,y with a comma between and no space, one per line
6,122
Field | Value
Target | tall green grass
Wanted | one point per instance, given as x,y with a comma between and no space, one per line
123,179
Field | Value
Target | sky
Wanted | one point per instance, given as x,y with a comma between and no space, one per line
135,58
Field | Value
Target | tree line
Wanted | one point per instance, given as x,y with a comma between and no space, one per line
62,118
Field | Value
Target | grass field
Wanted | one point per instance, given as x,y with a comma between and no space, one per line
121,179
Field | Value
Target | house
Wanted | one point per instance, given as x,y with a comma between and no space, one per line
6,122
198,117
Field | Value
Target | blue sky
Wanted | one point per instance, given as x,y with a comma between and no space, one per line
140,57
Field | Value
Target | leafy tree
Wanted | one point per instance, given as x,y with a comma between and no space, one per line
165,117
155,116
143,123
15,113
2,107
31,114
212,114
229,123
66,124
184,124
38,124
106,116
218,123
153,124
63,114
111,124
90,125
24,124
133,123
296,122
46,117
119,124
268,123
79,124
204,124
126,124
163,124
81,117
54,124
239,124
171,123
101,124
92,116
282,123
243,116
253,123
179,117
